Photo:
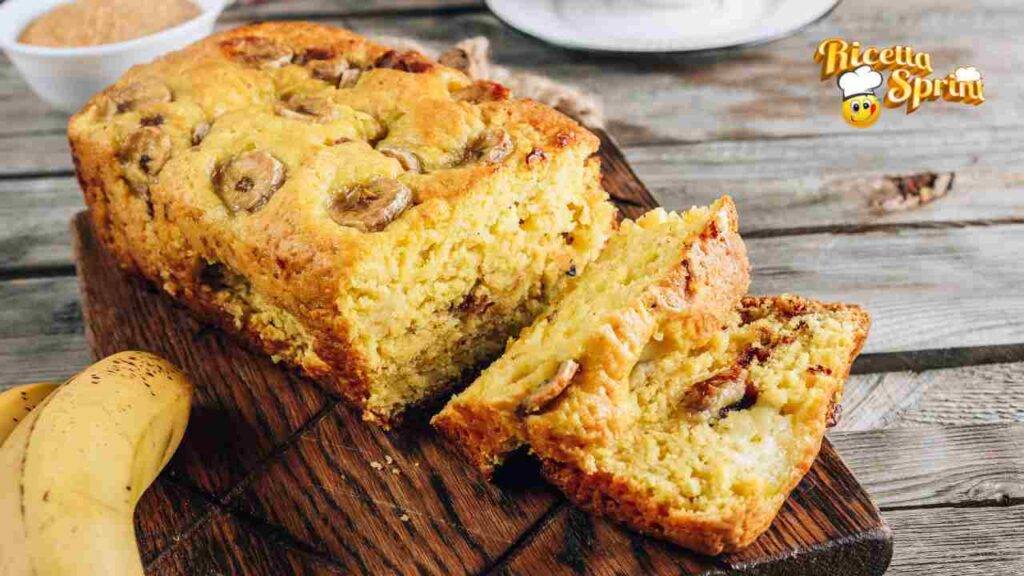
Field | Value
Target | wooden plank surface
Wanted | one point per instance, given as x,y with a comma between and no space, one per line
958,541
964,396
34,213
42,154
382,504
225,544
757,92
826,181
765,91
166,511
761,91
938,465
925,288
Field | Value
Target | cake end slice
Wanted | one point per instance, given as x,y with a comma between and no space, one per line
723,431
689,269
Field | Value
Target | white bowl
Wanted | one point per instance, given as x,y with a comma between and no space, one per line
67,77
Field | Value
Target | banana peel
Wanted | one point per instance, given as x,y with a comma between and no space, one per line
74,468
17,402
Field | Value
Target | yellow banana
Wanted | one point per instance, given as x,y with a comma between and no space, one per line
17,402
74,468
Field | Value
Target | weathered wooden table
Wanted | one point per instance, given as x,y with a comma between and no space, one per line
934,418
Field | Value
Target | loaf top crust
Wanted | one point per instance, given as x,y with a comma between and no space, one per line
320,168
175,125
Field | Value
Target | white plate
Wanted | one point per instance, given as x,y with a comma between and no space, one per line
658,25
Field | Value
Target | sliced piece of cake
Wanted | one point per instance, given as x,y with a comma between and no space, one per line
689,269
720,432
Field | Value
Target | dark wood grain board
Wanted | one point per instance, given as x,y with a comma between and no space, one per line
276,476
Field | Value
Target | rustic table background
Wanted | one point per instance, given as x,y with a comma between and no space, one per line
934,416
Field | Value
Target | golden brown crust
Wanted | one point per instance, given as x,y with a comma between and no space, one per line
480,433
292,265
613,497
623,500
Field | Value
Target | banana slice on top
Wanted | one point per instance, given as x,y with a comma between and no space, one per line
372,206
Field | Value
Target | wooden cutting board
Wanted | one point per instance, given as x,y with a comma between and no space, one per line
276,476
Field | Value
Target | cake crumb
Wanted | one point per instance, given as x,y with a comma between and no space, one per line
396,471
376,465
389,459
404,517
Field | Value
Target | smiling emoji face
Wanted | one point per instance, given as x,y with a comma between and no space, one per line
861,111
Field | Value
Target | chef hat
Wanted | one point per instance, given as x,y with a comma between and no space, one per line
967,74
861,80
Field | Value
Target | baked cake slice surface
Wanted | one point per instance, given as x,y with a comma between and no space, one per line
689,268
725,429
370,217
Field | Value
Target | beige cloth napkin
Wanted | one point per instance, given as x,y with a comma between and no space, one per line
472,56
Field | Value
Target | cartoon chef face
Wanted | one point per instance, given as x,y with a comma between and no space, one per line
860,105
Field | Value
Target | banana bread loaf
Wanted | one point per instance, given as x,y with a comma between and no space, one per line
368,216
714,435
688,268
